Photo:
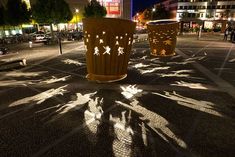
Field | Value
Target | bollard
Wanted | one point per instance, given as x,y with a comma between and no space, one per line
60,45
30,44
200,33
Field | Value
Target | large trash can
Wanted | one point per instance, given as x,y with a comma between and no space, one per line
108,43
162,35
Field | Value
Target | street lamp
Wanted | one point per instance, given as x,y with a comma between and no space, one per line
153,10
136,17
77,11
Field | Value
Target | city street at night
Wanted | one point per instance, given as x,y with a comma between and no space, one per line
178,106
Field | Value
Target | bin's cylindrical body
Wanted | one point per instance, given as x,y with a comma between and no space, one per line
108,45
162,35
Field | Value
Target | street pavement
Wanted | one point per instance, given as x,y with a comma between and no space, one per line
179,106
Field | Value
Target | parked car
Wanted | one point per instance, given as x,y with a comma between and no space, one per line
49,40
39,38
8,40
3,50
75,35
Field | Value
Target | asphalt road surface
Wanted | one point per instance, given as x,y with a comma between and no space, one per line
179,106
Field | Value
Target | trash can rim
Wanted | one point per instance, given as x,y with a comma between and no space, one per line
106,18
162,22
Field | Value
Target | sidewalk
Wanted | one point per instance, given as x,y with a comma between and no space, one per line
166,107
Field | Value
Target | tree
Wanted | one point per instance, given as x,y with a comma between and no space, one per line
51,12
2,17
160,13
17,12
147,14
94,9
156,13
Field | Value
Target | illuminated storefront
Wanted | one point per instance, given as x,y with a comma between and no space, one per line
211,14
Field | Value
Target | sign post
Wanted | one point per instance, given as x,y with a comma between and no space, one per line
200,32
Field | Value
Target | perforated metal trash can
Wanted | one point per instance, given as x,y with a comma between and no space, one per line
162,35
108,44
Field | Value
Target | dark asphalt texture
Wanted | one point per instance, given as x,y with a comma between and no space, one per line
165,107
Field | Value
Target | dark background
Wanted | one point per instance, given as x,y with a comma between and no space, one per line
141,5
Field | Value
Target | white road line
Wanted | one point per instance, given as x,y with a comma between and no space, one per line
69,134
66,72
200,50
206,48
66,136
225,60
222,84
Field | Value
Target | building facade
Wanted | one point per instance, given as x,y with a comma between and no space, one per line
211,14
118,8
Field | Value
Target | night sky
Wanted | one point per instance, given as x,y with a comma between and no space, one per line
140,5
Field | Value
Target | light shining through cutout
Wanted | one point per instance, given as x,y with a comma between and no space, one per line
200,105
190,85
75,104
155,122
70,61
140,65
25,74
13,83
130,91
232,60
151,70
41,97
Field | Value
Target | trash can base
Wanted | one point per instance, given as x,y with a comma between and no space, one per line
105,78
158,55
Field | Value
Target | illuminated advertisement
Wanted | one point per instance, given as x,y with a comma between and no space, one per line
113,7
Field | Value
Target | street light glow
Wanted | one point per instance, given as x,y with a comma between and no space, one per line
76,10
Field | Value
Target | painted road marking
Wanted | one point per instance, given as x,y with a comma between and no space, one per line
222,84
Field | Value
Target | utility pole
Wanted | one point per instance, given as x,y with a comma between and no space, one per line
59,42
76,11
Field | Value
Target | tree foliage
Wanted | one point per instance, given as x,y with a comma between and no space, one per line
51,11
17,13
159,13
147,14
2,16
94,9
